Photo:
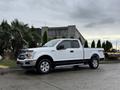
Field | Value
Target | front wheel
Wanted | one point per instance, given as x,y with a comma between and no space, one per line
94,63
44,66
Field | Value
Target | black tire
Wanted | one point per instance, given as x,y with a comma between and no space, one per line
44,66
94,62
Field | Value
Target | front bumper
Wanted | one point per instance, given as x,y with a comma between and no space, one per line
26,63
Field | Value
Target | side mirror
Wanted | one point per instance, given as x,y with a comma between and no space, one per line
60,47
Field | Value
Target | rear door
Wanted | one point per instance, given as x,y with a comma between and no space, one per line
77,50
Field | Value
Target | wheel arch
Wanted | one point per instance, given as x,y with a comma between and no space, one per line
95,55
44,57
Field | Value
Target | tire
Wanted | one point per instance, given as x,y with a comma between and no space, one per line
44,66
94,63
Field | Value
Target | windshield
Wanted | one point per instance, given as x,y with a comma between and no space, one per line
51,43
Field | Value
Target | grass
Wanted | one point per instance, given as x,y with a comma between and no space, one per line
8,63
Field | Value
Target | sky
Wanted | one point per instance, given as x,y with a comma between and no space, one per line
95,19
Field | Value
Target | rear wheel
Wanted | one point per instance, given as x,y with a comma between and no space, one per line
44,66
94,63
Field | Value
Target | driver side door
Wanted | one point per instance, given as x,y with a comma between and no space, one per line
63,51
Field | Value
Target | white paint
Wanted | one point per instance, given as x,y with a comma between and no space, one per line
63,55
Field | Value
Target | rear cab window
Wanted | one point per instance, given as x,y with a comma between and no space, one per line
75,44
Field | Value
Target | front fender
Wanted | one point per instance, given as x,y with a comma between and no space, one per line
37,55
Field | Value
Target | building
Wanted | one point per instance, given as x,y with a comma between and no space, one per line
63,32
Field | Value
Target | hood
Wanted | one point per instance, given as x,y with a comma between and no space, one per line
40,48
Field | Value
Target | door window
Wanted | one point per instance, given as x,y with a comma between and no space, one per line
66,44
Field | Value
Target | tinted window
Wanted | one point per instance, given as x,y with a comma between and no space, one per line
66,44
75,44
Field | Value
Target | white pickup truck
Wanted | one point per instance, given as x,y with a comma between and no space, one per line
59,52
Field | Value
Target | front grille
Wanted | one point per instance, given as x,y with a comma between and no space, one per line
21,57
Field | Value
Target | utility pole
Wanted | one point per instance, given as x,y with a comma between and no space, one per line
116,44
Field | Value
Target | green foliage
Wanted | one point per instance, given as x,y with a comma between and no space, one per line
103,45
86,44
16,36
107,46
63,37
9,63
45,38
99,44
93,44
5,36
35,37
32,44
18,40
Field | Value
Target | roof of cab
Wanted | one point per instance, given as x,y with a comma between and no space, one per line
65,39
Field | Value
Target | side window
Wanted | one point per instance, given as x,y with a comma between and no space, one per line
75,44
66,44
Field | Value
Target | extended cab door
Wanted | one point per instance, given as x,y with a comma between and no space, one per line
77,50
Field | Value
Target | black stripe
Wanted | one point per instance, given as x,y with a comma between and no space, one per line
67,62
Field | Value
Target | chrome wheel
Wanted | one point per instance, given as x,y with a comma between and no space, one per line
45,66
95,63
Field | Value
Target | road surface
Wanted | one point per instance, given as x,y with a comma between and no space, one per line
106,77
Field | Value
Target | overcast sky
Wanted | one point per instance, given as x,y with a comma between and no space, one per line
95,19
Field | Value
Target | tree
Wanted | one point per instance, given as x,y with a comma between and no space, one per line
36,38
86,44
17,35
93,44
108,46
45,38
32,44
99,44
5,36
103,45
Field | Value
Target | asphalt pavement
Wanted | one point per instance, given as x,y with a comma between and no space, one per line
106,77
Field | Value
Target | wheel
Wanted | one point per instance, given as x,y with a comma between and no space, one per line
94,63
44,66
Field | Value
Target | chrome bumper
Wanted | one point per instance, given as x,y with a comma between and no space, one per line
26,63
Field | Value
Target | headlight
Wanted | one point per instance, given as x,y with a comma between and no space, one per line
29,54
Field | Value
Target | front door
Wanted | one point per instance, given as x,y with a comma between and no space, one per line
63,51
